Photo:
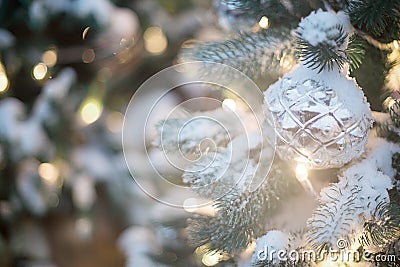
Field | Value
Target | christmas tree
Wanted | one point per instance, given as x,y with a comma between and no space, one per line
67,69
272,130
332,188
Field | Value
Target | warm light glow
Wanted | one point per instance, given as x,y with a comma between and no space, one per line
396,44
88,56
49,58
264,22
39,71
286,62
85,32
155,41
48,172
393,77
301,172
190,204
114,122
229,104
4,83
211,259
91,111
389,102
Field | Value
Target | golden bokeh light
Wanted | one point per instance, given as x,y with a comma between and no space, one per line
49,58
155,41
39,71
88,56
396,44
85,32
264,22
91,111
4,82
301,172
48,172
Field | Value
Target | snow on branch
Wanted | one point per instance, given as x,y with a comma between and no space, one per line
344,207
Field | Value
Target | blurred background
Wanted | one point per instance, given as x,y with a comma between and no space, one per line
67,72
68,69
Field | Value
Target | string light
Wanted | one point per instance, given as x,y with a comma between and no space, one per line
264,22
4,82
155,41
301,172
85,32
229,104
49,58
396,44
39,71
302,177
48,172
91,111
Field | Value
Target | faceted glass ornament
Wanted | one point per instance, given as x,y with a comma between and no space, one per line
313,126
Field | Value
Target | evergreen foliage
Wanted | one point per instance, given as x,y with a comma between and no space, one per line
252,53
241,216
345,208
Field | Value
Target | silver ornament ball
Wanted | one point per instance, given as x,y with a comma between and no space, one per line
314,126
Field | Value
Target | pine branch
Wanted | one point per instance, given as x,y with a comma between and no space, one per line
355,52
384,228
212,175
240,216
374,42
321,45
254,54
324,55
333,219
345,206
278,12
276,240
390,129
380,18
189,135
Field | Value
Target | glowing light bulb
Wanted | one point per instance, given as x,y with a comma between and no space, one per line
85,32
229,104
396,44
4,82
155,41
91,111
48,172
301,172
302,177
49,58
264,22
39,71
